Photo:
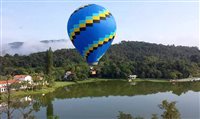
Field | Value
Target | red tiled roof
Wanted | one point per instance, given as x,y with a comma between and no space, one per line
9,81
20,76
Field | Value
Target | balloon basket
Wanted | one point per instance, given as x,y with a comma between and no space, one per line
93,72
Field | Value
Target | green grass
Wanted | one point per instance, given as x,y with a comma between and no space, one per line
151,80
58,84
61,84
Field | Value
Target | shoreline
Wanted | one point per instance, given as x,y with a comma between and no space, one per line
59,84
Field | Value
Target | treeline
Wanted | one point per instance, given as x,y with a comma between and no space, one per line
145,60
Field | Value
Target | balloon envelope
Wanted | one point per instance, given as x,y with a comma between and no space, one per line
91,29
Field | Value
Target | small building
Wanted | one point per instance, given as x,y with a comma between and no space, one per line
5,83
69,76
23,78
93,72
131,77
3,89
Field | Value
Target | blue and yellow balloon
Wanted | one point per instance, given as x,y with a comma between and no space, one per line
91,29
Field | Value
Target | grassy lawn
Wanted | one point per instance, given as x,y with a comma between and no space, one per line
58,84
151,80
62,83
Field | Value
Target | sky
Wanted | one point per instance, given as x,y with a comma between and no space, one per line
163,22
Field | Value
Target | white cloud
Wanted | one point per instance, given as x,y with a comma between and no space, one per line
36,46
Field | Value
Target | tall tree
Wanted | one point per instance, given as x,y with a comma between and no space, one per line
49,65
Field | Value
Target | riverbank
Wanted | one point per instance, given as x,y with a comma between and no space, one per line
151,80
59,84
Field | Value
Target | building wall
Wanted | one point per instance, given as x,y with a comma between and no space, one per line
28,78
1,85
3,89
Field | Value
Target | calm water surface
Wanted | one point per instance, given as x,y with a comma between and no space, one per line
104,100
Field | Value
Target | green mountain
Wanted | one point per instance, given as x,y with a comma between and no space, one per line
146,60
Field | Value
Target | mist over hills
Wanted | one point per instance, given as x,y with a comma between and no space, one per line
15,45
26,48
29,47
53,41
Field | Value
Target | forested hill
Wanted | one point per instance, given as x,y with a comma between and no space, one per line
139,50
143,59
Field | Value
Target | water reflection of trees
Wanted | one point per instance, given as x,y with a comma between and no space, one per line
16,105
170,111
25,107
115,88
122,88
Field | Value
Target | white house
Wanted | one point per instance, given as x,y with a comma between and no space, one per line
3,84
131,77
23,78
3,89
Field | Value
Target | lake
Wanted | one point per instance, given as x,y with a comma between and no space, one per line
104,100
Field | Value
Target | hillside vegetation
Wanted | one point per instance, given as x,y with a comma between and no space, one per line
143,59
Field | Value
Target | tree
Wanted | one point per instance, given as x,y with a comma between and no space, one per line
49,62
50,80
123,115
142,59
154,116
173,75
7,97
170,110
49,68
79,72
72,77
49,110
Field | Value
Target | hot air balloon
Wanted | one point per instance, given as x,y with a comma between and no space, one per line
91,29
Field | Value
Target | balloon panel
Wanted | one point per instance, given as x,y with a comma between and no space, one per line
92,30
